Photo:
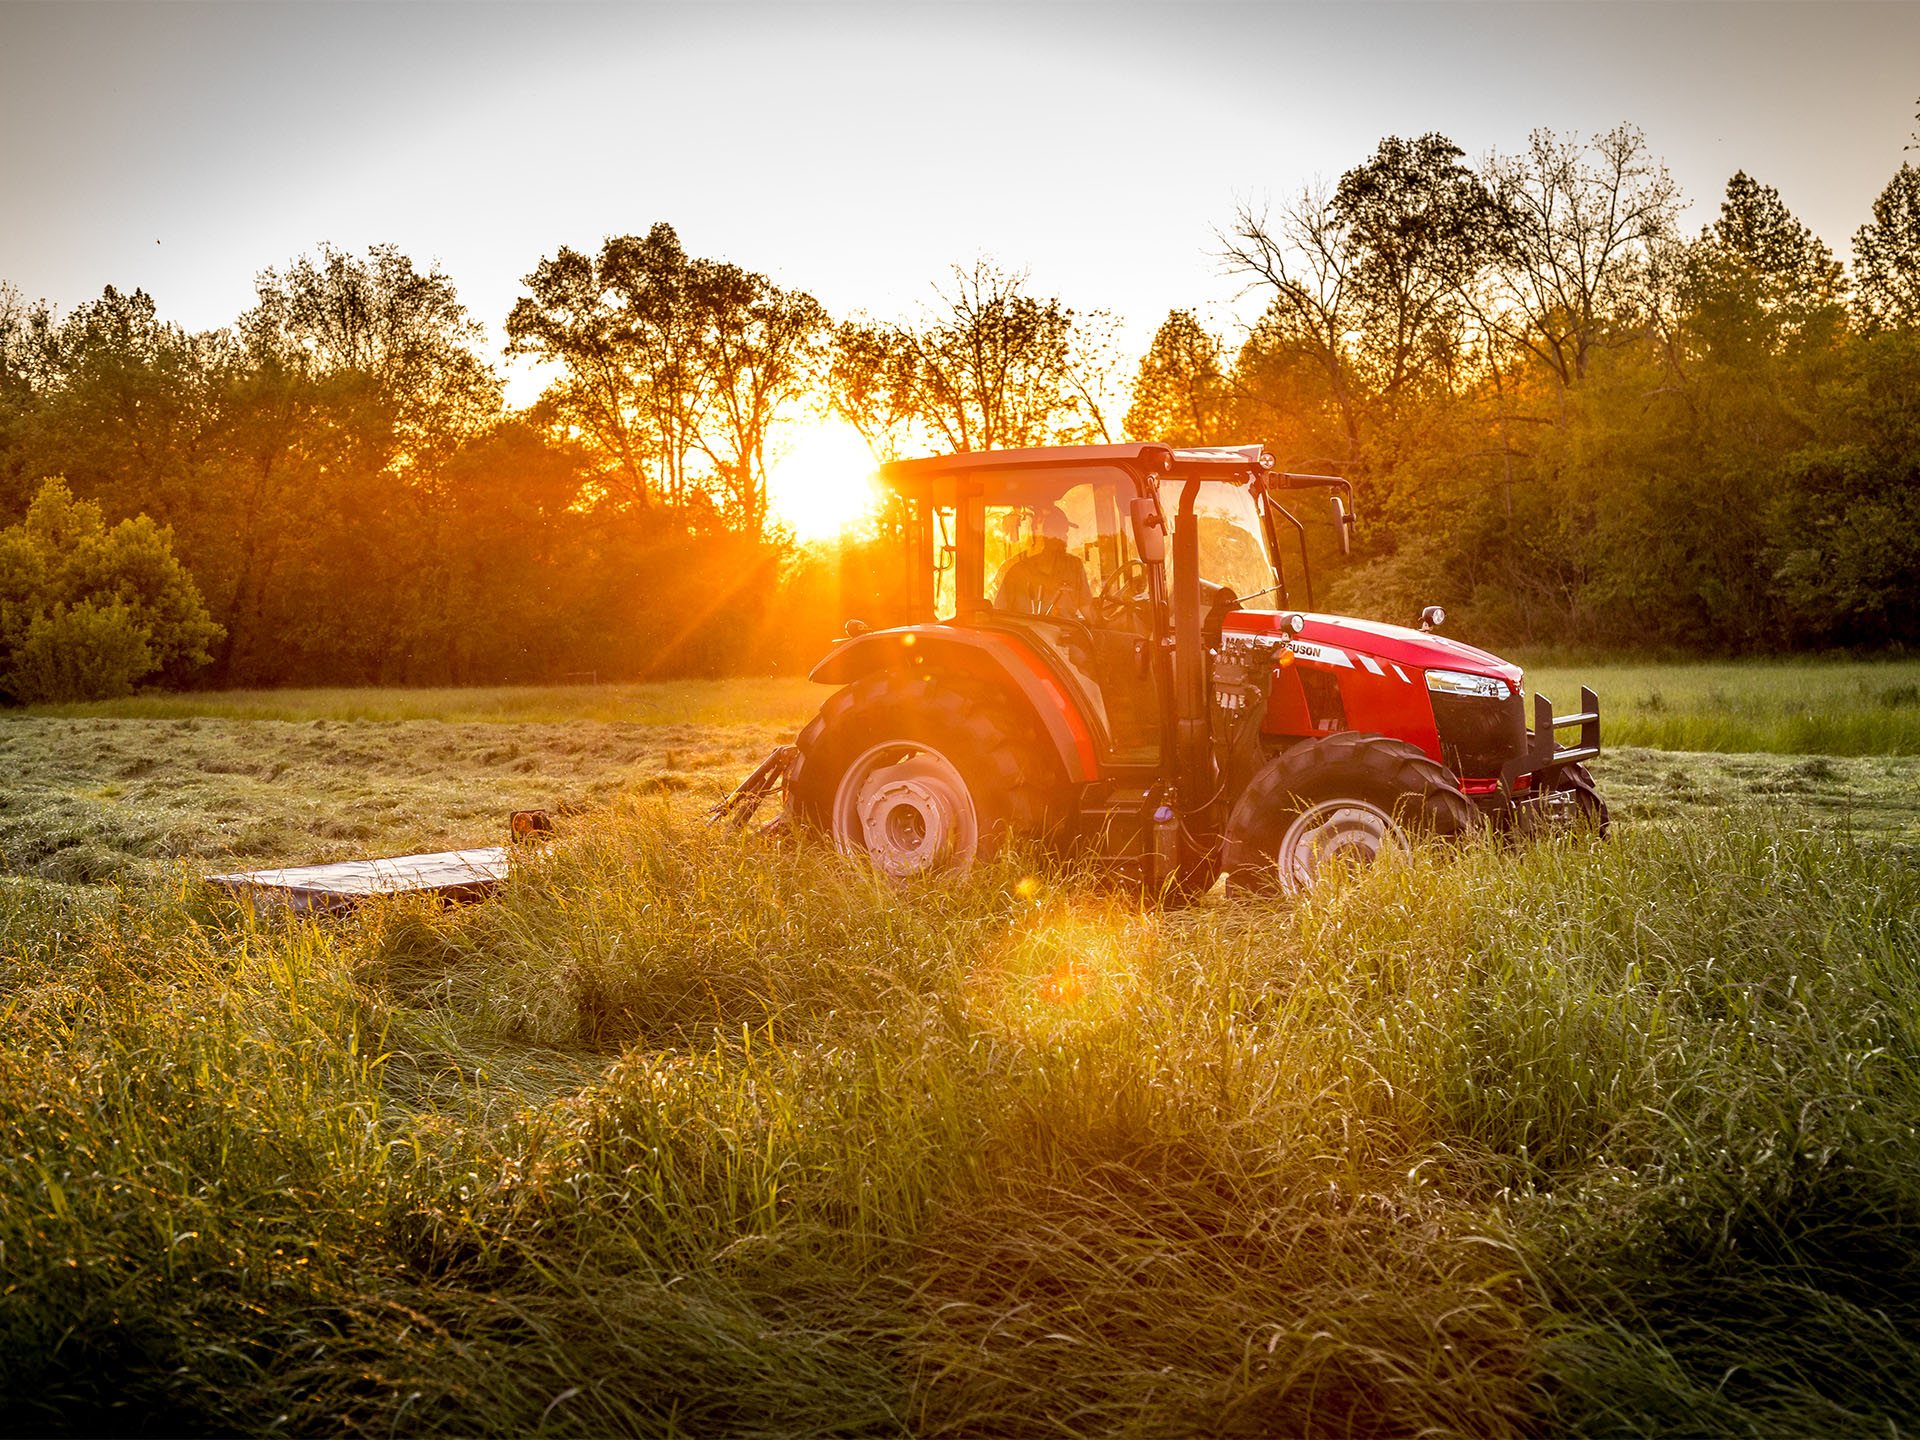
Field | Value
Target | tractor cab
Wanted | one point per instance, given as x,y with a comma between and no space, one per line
1067,549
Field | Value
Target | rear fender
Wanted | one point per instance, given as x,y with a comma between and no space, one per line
992,659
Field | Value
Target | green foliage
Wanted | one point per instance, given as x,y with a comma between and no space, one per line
1562,420
667,357
1758,281
1416,224
990,367
1585,224
1181,393
1845,521
86,651
85,611
1886,257
396,343
1638,442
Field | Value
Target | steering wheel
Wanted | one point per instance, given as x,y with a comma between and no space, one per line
1121,592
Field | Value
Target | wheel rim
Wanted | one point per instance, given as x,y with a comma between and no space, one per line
907,808
1335,832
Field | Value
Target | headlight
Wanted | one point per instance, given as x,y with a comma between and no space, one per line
1457,682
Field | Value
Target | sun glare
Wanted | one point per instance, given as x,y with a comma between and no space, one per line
822,481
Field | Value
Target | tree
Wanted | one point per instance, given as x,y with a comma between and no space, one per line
1366,279
1886,258
1420,224
629,329
354,381
873,383
401,336
762,352
1182,393
87,611
1314,312
570,320
990,367
1758,277
124,402
24,331
1847,523
669,359
664,318
23,339
994,369
1582,231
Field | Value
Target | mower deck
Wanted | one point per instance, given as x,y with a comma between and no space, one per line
324,889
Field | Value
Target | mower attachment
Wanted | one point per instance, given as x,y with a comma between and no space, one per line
740,807
1543,755
453,876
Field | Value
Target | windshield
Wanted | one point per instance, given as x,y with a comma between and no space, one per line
1233,549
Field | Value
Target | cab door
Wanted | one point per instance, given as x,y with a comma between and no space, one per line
1059,561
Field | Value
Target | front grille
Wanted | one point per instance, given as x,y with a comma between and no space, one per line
1478,735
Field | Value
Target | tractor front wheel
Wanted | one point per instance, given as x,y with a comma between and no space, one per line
917,777
1576,782
1346,798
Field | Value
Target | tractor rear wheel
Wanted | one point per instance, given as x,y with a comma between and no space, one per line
1344,798
917,777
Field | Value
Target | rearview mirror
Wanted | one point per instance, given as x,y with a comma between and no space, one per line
1343,523
1149,534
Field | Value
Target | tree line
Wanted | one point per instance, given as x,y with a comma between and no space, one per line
1565,419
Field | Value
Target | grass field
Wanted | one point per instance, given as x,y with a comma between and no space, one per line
784,700
1786,707
689,1134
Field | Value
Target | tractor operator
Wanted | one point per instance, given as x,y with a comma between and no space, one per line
1043,578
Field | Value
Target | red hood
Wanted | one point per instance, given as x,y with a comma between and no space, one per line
1423,649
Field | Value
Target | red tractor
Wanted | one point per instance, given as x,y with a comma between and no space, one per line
1104,657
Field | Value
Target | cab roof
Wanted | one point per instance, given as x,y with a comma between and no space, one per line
1222,462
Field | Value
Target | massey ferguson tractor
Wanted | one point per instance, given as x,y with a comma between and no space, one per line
1104,657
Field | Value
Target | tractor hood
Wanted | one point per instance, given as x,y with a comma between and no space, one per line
1398,644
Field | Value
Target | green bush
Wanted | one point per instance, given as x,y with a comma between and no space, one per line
87,612
89,651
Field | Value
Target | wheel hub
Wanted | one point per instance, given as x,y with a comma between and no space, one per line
1332,833
907,809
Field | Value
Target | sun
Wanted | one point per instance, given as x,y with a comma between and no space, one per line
820,481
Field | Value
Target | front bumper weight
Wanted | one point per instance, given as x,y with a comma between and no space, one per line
1544,755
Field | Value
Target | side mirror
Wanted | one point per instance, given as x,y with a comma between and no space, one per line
1149,533
1342,523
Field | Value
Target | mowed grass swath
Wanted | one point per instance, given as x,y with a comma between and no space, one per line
695,1134
1782,707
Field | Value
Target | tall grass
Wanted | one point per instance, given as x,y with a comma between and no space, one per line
1780,707
698,1135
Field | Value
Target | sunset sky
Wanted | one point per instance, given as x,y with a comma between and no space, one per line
857,151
